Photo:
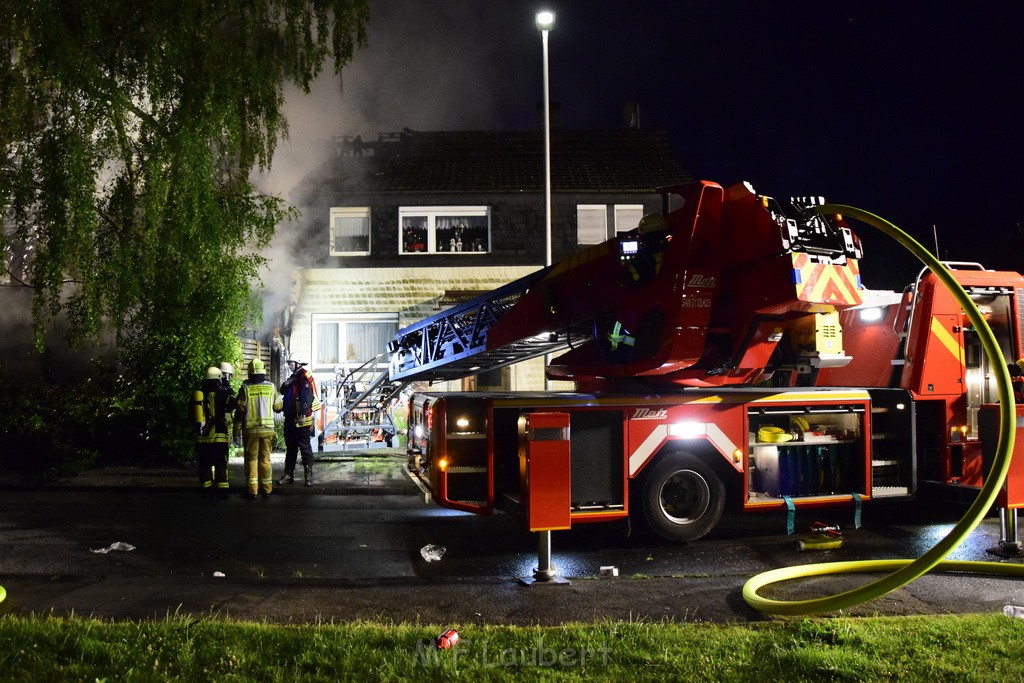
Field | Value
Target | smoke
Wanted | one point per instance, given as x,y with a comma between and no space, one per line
428,65
432,65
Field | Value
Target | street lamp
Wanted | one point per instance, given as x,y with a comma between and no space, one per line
546,20
545,572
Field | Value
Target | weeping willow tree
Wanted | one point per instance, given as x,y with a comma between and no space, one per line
130,131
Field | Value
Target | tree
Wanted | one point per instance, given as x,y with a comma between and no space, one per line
130,131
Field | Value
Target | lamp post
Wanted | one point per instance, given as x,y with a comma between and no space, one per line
545,572
545,20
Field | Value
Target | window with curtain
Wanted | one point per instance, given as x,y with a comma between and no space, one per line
350,231
351,340
444,229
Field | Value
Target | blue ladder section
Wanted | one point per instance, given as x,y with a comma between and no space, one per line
453,343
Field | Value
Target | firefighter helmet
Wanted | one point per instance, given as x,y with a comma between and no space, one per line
652,222
297,358
256,367
227,369
213,373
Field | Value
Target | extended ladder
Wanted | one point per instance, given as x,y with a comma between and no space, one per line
453,343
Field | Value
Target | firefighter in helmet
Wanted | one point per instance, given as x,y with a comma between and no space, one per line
257,401
300,404
211,404
227,370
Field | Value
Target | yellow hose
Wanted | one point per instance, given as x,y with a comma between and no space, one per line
3,594
905,571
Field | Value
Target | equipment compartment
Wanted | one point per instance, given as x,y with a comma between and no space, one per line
802,452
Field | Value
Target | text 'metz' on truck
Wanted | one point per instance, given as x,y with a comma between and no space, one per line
724,352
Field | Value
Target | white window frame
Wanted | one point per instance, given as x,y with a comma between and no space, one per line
589,232
624,216
341,320
431,213
350,212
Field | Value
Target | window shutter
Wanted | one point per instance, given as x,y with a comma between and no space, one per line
627,216
591,223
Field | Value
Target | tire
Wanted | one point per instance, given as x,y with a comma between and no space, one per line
683,498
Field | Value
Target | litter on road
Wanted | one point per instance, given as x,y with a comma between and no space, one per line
118,545
431,552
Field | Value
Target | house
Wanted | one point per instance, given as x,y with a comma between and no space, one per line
415,221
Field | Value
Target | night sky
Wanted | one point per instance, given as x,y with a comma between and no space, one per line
910,110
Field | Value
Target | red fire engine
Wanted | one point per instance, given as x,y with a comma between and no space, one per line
723,352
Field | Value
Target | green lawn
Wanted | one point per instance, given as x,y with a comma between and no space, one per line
936,649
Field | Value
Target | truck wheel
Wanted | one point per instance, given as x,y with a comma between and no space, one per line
683,498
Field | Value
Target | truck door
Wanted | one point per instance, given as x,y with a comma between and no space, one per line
941,359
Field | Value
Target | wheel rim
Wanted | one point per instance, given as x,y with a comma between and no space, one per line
684,497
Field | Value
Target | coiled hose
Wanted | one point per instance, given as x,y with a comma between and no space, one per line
905,571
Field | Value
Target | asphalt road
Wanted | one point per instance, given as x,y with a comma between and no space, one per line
301,558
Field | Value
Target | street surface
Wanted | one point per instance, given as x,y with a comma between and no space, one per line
315,556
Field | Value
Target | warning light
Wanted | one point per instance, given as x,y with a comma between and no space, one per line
442,464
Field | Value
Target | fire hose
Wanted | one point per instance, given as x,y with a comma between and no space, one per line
905,571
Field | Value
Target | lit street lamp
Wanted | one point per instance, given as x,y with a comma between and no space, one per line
545,20
545,573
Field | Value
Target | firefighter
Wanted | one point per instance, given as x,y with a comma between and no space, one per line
300,402
234,427
211,404
257,401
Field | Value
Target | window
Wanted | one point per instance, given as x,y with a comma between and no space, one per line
490,380
444,229
627,216
351,340
350,231
591,223
592,220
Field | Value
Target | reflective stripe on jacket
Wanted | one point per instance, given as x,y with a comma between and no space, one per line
256,402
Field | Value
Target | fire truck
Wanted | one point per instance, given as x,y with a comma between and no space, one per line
725,352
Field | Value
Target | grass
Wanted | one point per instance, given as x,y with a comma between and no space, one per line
944,648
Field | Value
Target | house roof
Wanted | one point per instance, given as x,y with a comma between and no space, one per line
469,162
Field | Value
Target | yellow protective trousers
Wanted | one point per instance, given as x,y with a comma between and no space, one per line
259,474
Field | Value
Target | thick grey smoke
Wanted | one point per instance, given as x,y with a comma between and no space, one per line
428,65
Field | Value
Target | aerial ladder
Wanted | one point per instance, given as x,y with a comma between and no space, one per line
699,295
